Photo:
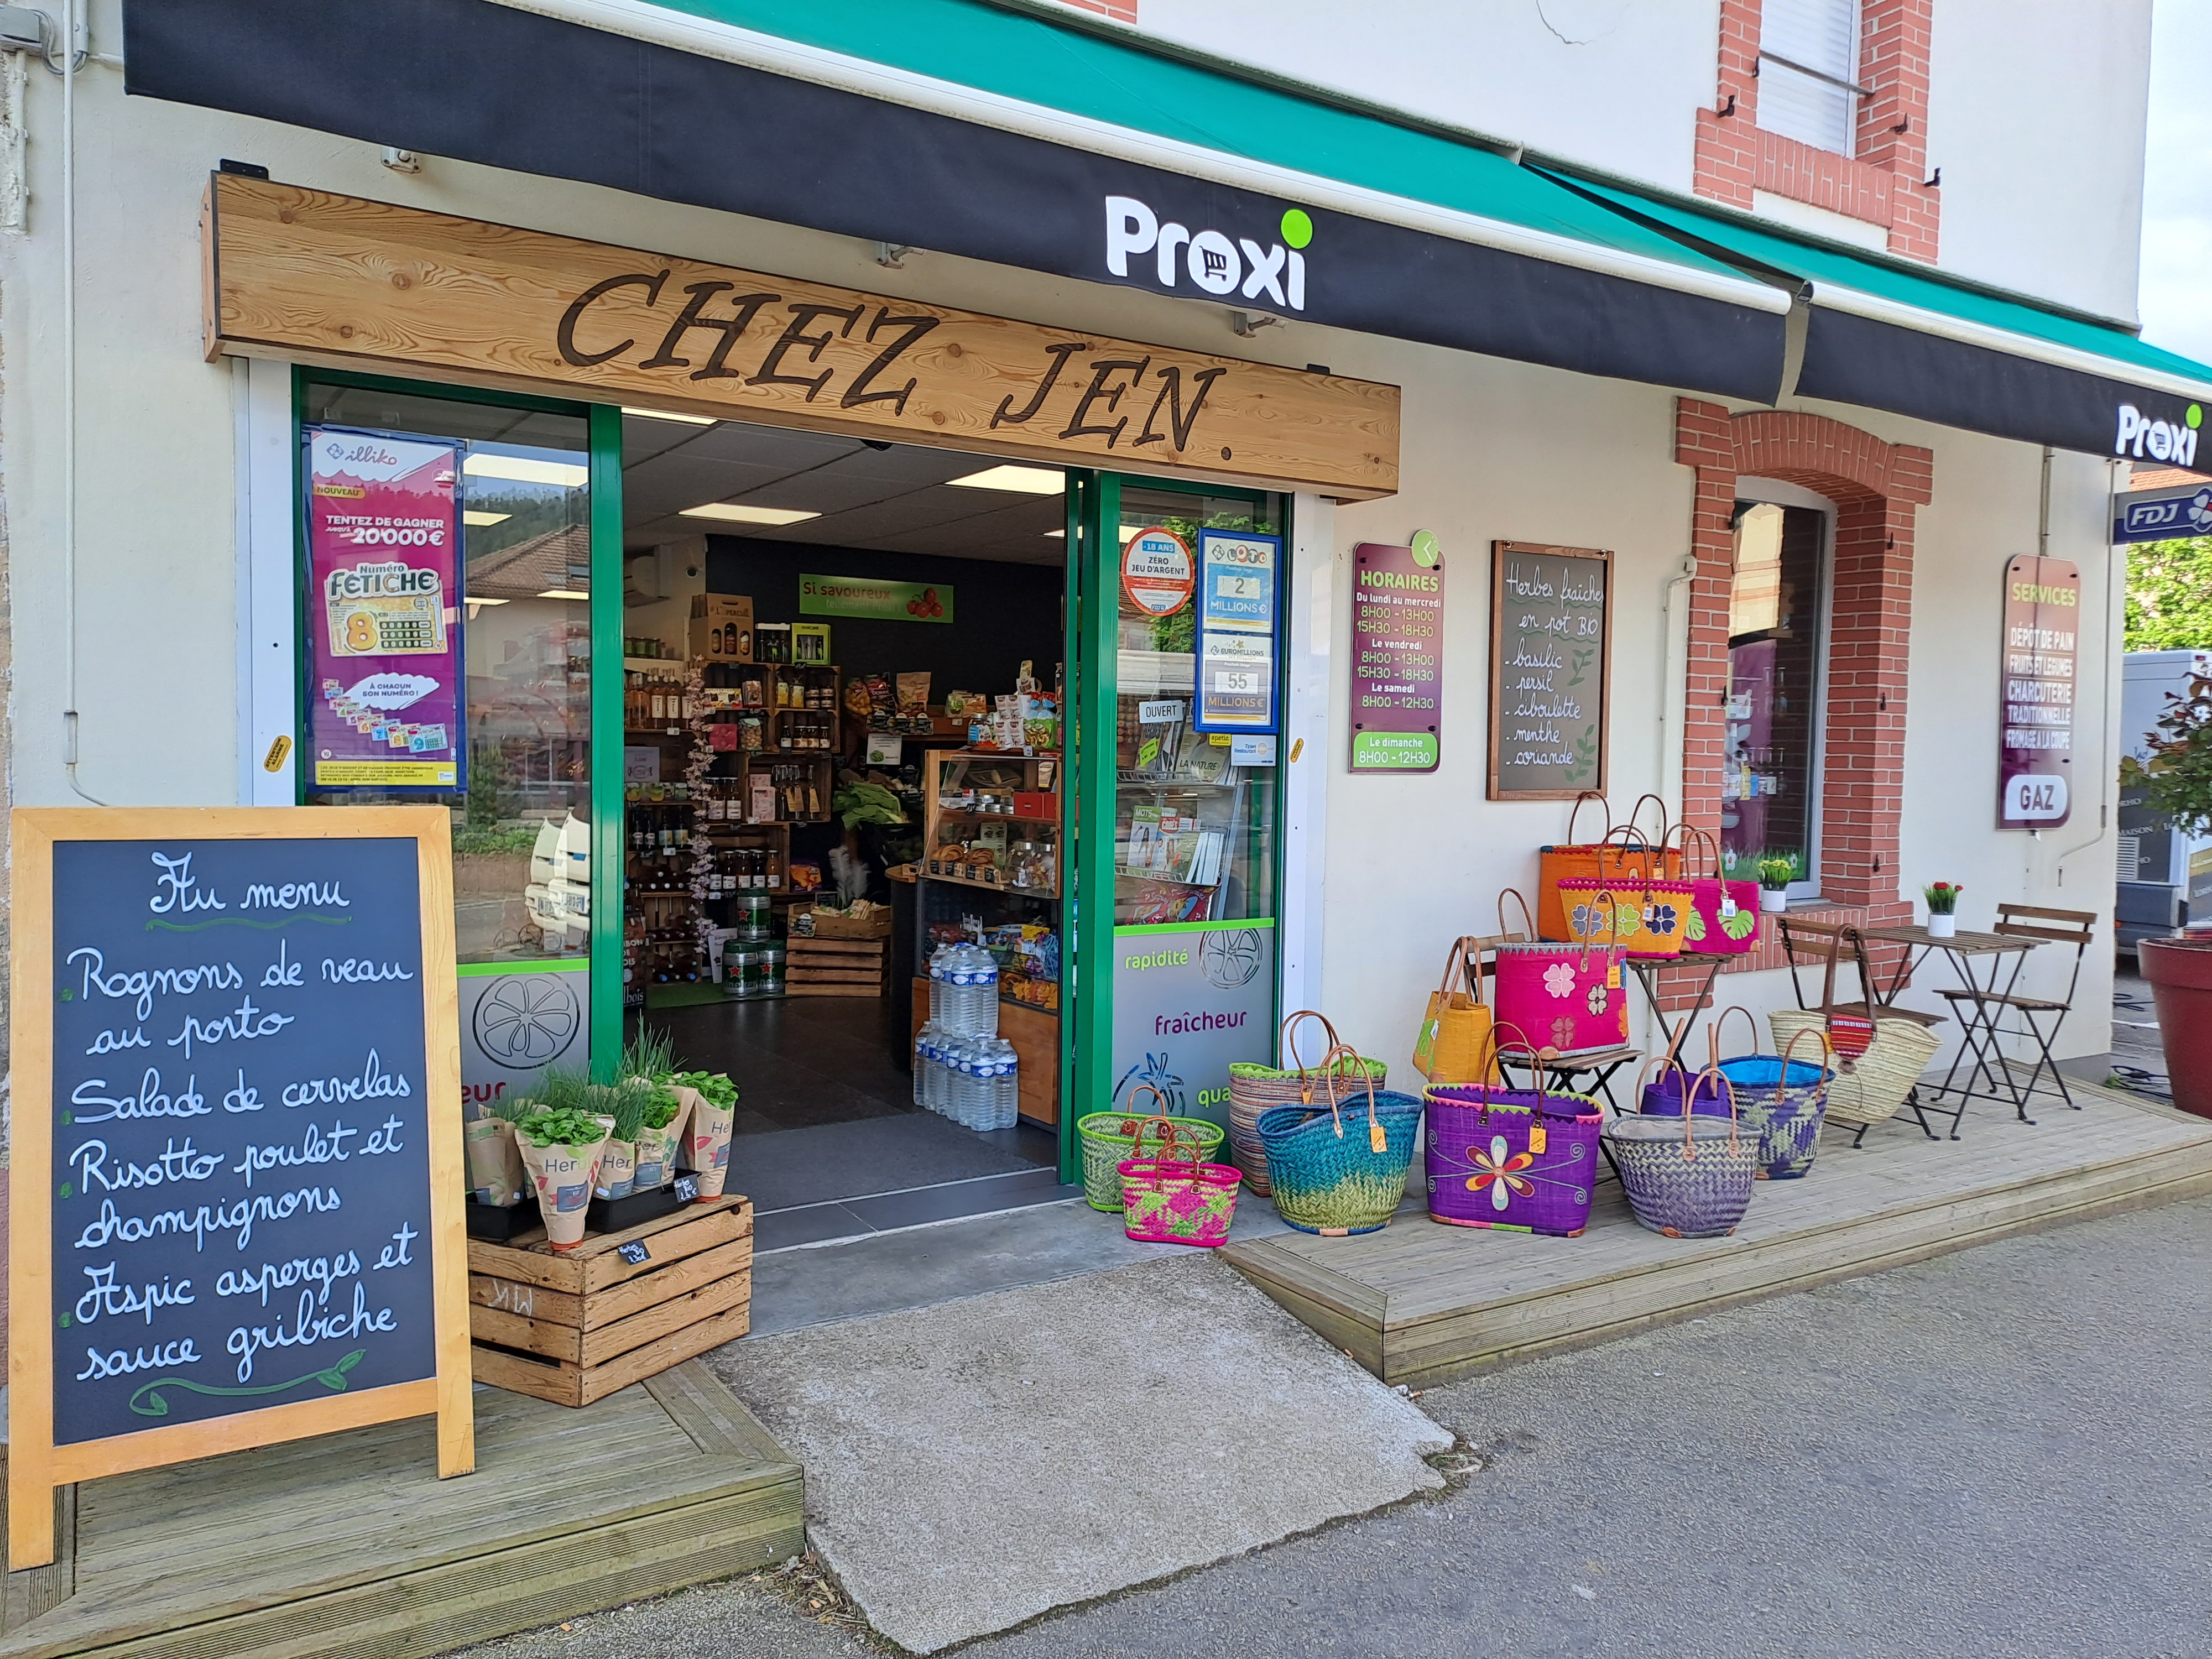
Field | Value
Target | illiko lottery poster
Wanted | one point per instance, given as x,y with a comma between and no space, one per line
383,544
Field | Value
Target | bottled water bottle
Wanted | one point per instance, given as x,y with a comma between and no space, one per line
925,1055
934,1082
968,1084
972,992
1010,1086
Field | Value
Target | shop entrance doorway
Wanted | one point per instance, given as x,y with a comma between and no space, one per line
843,684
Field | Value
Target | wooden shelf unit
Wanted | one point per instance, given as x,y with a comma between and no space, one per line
1029,786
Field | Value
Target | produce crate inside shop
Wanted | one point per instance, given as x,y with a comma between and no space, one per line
574,1326
831,955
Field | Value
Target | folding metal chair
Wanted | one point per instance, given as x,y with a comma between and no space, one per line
1823,944
2037,921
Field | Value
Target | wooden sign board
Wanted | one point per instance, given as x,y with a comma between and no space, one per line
236,1210
1551,670
336,280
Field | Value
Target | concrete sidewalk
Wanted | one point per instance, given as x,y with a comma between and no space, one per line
972,1465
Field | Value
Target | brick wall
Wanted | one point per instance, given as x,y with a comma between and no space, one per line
1876,487
1883,182
1121,11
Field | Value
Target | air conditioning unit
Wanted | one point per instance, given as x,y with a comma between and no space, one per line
669,571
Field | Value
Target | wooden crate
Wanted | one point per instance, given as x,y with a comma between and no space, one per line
876,926
833,967
573,1326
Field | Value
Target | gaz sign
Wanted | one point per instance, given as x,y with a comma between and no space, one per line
2035,752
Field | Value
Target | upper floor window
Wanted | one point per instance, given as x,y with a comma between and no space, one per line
1809,63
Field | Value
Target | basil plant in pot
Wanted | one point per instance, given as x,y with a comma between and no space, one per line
2177,781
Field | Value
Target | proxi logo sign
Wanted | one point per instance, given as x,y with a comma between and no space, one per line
1214,263
2158,440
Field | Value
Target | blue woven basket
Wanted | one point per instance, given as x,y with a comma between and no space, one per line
1783,1101
1340,1167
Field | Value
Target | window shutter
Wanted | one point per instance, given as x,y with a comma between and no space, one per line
1822,36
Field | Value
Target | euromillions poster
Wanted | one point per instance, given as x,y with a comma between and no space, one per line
384,548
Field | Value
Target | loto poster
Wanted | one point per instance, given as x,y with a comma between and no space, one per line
384,550
1235,675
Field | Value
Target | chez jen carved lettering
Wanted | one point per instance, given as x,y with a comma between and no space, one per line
306,275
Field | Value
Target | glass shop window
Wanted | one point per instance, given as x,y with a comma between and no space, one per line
508,751
1769,806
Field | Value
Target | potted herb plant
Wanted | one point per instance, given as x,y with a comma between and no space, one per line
713,1118
1942,898
561,1148
1775,875
2177,782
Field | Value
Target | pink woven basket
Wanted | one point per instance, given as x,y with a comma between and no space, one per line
1178,1198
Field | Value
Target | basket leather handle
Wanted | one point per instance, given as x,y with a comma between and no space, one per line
1827,1051
1331,1068
1585,796
1657,801
1528,920
1713,1031
1287,1038
1172,1141
1689,832
1689,1134
1603,896
1455,968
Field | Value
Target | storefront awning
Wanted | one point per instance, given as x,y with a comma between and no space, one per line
965,127
1886,336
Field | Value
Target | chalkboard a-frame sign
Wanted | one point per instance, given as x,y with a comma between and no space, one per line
238,1180
1551,670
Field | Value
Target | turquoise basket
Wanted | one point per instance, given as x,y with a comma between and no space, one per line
1321,1163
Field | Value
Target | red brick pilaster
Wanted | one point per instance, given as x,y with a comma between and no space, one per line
1726,161
1876,486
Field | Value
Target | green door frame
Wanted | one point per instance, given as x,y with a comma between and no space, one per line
1094,621
603,429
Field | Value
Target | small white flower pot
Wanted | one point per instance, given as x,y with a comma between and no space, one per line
1943,926
1773,899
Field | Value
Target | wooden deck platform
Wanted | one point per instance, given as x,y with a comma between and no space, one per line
350,1547
1420,1303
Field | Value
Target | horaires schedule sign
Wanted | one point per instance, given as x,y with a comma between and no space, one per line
1397,657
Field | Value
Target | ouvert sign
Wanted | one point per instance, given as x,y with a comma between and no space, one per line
336,280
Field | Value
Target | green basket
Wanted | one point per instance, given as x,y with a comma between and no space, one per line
1110,1138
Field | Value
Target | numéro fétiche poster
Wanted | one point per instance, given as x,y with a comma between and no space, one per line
384,550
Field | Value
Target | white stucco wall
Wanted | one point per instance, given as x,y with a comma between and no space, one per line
1615,83
1492,449
2036,111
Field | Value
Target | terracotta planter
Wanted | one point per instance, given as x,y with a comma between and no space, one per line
2180,975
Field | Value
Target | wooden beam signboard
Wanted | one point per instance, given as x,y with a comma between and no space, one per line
342,282
236,1204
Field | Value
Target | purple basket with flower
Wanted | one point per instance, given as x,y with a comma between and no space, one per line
1524,1160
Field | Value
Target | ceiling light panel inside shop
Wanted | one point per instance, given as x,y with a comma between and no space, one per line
895,500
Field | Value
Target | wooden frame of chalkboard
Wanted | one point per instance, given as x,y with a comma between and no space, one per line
1511,778
37,1466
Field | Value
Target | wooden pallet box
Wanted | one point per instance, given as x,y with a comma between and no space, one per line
833,967
574,1326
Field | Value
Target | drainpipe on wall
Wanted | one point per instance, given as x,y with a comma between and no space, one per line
1673,691
2107,768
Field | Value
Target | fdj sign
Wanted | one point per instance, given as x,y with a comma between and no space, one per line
2157,515
1215,264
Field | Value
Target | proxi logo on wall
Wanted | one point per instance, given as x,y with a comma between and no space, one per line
1215,262
2158,440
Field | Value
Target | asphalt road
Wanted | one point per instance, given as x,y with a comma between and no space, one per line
2001,1452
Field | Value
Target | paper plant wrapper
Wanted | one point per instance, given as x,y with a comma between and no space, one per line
495,1171
708,1142
688,1104
618,1169
563,1177
656,1151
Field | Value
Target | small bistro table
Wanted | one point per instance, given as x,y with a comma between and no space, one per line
1647,969
1978,1009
